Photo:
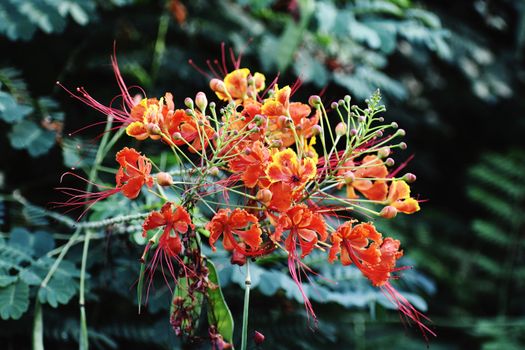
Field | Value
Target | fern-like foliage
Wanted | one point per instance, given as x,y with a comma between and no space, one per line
497,187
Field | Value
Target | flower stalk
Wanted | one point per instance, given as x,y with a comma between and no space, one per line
246,307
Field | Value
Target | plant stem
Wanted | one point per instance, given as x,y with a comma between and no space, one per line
83,341
160,45
38,327
247,286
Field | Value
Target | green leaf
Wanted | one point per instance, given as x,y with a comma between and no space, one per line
14,300
219,313
140,284
6,280
60,288
28,135
57,291
10,110
37,244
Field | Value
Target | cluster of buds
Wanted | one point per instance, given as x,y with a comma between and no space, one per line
275,174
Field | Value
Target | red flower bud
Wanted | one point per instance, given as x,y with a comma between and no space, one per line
258,337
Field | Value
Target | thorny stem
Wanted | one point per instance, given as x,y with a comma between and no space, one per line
65,220
245,312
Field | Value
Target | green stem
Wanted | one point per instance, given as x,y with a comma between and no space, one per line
247,285
38,327
83,341
160,45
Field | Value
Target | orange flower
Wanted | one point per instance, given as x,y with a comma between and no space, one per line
282,196
399,197
239,222
363,241
379,274
286,168
304,225
236,85
134,172
279,105
306,228
175,222
148,117
252,163
371,167
364,246
188,130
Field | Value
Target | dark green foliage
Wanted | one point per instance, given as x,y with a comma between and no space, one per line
19,109
453,74
24,263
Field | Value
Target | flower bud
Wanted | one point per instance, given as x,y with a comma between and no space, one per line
394,125
264,196
217,85
340,129
353,132
213,171
201,101
316,130
188,102
401,132
314,101
388,212
380,119
389,162
177,136
276,144
379,133
334,105
409,178
212,105
403,146
282,120
347,98
164,179
361,119
258,338
189,112
153,129
341,102
349,177
247,151
383,152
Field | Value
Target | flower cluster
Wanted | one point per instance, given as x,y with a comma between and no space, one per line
273,172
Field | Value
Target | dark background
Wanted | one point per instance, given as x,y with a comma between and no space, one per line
452,76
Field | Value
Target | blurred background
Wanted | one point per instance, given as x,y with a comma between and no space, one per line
451,74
